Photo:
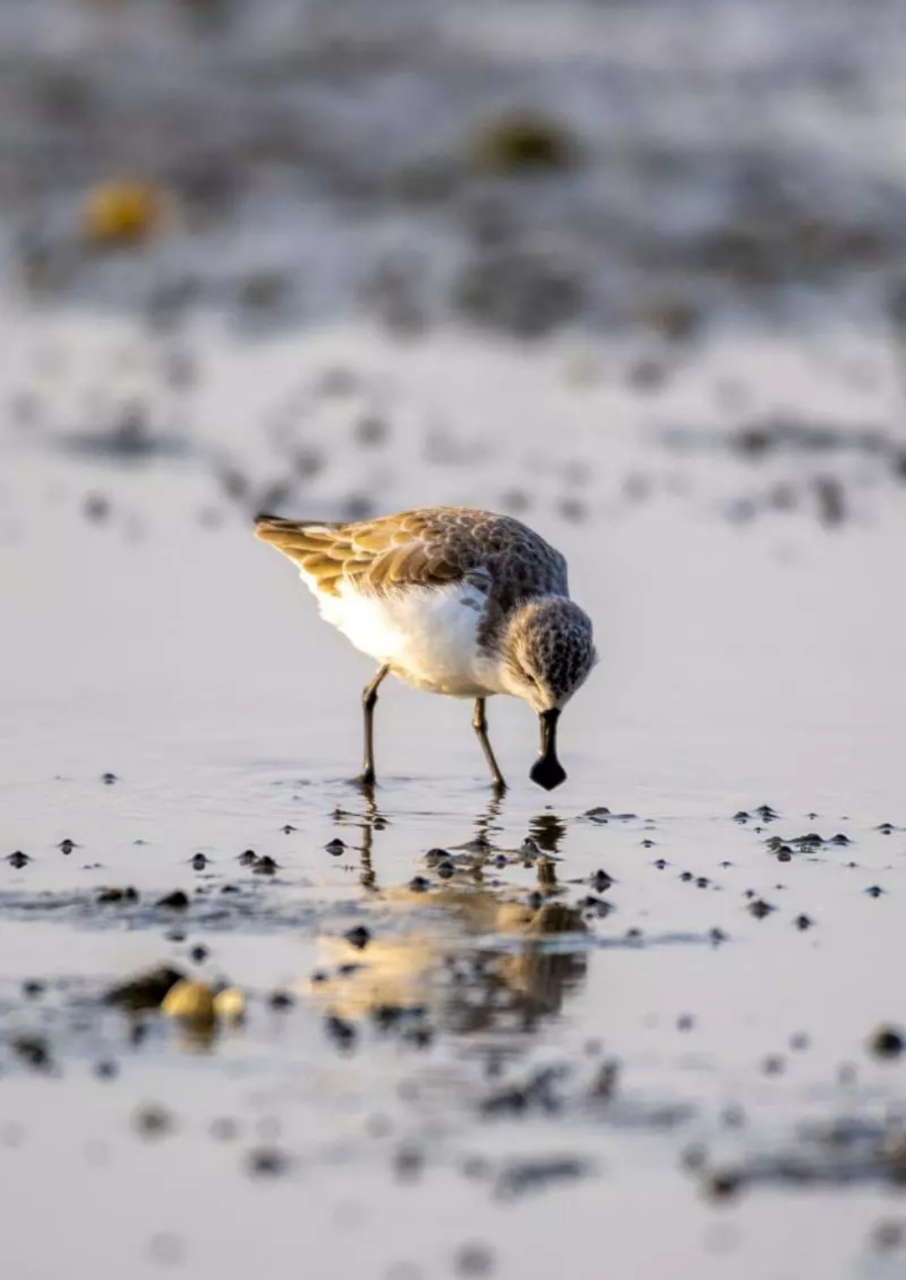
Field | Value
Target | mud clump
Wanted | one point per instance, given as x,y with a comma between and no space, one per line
145,991
887,1042
522,141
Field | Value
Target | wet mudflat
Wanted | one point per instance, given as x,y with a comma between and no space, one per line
655,1016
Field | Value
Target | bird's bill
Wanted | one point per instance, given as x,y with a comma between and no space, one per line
547,770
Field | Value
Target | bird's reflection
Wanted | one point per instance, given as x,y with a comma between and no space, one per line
481,939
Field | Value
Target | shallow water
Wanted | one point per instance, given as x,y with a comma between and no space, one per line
527,1063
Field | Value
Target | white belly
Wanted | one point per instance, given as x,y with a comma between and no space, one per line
427,635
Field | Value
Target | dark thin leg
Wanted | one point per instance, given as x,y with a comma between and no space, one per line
369,701
480,725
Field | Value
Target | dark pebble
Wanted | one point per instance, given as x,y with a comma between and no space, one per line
288,829
153,1121
600,880
146,991
108,779
18,859
116,894
717,935
33,988
887,1042
341,1032
784,854
685,1022
175,901
267,1162
686,876
661,864
886,828
874,891
804,922
199,862
359,937
281,1000
840,839
248,858
335,847
265,866
723,1184
418,884
759,908
67,846
741,816
199,954
33,1050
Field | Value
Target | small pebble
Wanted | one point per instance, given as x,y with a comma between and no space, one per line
887,1042
359,937
199,862
175,901
335,847
248,858
18,859
265,866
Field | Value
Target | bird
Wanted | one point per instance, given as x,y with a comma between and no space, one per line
451,600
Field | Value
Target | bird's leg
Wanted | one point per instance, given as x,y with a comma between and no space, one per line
369,700
480,725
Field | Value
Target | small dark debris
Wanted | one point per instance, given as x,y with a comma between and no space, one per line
803,921
146,991
874,891
523,1176
759,908
281,1000
887,1042
116,894
33,988
359,937
67,846
108,779
153,1121
840,840
18,859
265,866
600,880
106,1069
685,1022
335,847
886,828
248,858
341,1032
199,862
723,1184
175,901
661,864
418,884
267,1162
199,954
33,1050
741,816
773,1065
288,829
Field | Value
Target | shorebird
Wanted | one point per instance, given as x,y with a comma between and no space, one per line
450,600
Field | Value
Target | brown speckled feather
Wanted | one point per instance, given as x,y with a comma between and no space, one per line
427,546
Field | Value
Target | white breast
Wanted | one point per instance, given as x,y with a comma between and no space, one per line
428,635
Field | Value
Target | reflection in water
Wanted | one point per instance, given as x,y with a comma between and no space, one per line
466,951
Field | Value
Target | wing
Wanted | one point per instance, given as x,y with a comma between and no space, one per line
428,547
373,556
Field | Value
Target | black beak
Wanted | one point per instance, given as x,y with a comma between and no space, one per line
547,770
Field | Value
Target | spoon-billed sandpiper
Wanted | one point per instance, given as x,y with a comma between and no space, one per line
451,600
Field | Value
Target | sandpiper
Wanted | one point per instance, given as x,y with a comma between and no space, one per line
451,600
